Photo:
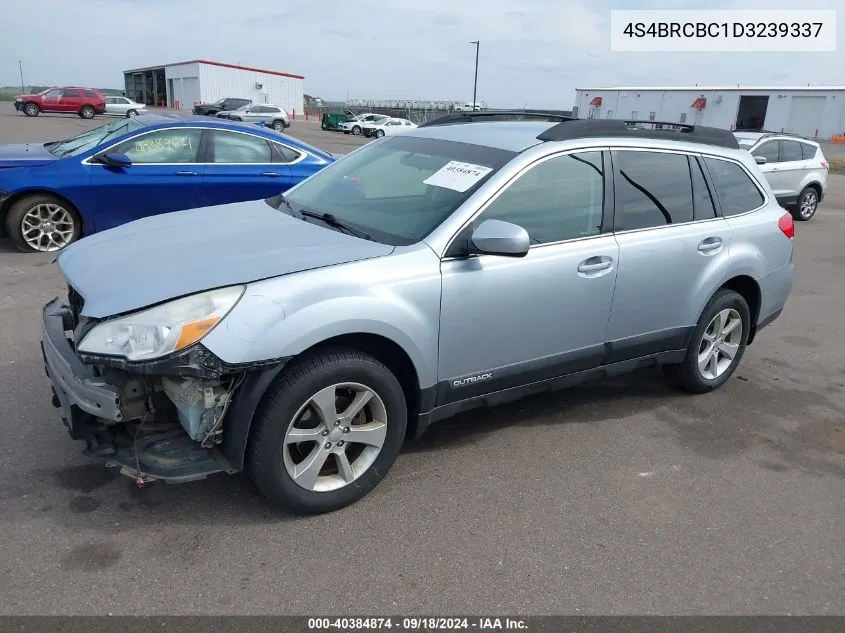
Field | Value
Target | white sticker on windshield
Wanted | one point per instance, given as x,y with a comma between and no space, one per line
457,176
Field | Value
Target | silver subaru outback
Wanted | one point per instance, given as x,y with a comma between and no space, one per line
470,262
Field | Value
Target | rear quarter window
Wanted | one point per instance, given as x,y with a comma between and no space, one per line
735,189
93,95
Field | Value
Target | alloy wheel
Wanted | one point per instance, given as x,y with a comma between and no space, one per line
47,227
809,202
335,437
720,344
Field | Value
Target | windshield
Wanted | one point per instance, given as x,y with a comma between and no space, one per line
91,138
401,189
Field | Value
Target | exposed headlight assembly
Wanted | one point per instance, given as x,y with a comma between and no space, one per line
164,329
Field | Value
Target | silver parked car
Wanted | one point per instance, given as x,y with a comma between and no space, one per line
123,106
272,115
455,266
794,166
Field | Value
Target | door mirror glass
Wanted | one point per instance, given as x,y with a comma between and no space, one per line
496,237
761,160
115,159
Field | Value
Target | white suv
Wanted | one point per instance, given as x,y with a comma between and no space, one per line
794,166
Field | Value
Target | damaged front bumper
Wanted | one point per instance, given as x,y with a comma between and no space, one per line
162,420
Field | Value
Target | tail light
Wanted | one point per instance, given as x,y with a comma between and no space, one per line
787,225
825,164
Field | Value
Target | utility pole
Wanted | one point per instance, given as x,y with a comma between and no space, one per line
475,83
20,65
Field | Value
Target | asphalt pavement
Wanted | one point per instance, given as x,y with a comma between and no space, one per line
621,497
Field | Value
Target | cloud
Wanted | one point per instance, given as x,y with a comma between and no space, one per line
534,52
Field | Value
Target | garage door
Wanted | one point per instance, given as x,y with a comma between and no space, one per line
190,91
805,115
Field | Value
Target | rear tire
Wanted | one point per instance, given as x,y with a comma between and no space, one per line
807,205
279,125
87,112
273,460
31,109
707,365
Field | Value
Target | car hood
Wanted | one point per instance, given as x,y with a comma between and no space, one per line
175,254
25,155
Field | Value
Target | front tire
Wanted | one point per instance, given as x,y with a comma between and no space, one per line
356,130
42,223
717,345
87,112
31,109
131,114
379,133
807,205
327,431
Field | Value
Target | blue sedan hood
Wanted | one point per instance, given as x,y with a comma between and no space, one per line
175,254
25,155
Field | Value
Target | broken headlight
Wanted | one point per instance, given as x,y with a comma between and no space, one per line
164,329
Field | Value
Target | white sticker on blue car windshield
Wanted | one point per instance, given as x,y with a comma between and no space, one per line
457,176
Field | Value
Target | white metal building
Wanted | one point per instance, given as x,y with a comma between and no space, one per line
812,111
184,84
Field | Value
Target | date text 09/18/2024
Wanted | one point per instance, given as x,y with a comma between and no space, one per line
416,624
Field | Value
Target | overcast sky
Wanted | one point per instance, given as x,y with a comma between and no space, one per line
533,52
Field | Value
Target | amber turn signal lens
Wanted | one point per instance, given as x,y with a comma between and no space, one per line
192,332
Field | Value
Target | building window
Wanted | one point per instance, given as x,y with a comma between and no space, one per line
634,115
651,116
683,117
609,114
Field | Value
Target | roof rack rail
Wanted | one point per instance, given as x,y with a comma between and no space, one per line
496,115
593,128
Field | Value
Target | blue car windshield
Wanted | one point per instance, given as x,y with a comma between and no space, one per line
399,189
91,138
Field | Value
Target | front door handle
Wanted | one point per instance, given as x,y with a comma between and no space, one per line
710,244
593,265
186,173
269,174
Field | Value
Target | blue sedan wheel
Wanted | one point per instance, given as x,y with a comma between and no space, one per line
42,223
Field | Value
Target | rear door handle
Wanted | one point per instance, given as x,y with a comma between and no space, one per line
270,174
710,244
595,265
186,173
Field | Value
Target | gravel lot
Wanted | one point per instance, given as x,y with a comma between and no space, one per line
617,498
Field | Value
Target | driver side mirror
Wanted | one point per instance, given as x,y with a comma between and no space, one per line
114,159
495,237
760,160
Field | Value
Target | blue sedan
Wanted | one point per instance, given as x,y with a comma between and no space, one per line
53,193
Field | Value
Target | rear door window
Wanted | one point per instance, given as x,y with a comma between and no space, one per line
735,189
790,151
651,189
232,147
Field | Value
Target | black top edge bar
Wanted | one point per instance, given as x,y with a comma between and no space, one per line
496,115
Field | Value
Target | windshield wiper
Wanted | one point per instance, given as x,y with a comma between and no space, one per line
331,220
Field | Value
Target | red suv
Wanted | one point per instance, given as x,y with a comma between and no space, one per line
84,101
